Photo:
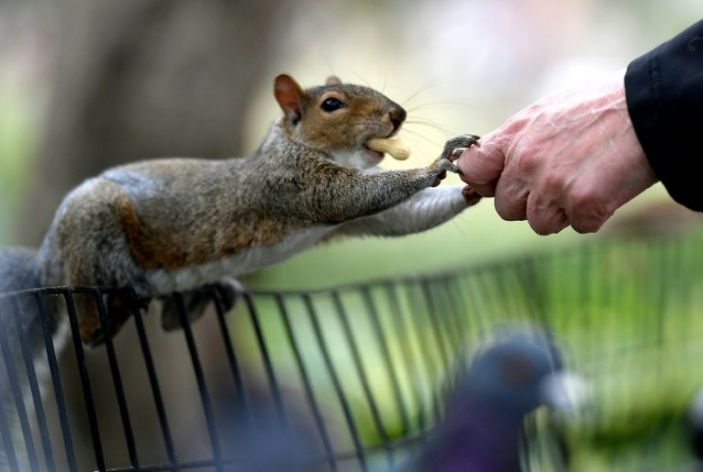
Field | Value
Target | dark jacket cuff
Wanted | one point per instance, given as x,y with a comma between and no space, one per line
664,91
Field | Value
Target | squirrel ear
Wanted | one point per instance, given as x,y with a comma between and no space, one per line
333,80
290,96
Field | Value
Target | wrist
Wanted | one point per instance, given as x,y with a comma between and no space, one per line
630,139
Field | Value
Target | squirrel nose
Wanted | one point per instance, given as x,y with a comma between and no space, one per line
397,116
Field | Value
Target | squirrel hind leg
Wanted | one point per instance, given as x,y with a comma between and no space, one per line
196,302
119,309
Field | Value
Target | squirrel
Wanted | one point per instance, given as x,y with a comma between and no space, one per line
175,224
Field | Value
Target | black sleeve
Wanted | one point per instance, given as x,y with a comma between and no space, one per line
665,100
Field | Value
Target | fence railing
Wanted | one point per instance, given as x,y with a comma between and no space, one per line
360,370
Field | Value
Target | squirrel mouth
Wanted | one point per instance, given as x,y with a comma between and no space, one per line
371,152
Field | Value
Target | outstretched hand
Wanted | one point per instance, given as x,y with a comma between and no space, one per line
569,159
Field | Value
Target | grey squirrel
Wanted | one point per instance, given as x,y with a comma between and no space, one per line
175,224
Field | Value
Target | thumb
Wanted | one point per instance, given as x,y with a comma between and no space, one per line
481,165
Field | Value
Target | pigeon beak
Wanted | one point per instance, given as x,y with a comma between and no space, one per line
565,392
695,413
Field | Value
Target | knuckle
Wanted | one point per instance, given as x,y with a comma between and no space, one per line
515,123
527,163
552,183
584,198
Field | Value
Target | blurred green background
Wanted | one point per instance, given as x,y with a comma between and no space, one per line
90,84
453,76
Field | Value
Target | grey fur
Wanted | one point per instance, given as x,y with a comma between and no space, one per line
18,271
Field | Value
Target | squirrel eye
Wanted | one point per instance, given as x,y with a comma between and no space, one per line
331,104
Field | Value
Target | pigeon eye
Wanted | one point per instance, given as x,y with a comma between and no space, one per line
331,104
518,371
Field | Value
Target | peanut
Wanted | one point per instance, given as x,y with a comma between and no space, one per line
394,147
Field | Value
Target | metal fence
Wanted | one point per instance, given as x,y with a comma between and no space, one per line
359,370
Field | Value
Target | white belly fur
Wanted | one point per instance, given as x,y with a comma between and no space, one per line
246,261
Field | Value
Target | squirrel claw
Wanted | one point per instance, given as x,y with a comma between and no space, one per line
196,301
458,143
95,339
470,195
438,179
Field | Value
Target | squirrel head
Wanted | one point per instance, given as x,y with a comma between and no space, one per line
337,119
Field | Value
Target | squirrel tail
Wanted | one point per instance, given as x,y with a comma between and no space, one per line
19,270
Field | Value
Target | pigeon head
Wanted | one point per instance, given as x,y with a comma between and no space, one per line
515,373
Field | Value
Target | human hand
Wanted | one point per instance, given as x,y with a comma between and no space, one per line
569,159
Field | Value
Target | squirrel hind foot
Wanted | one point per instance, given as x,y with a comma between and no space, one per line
196,302
119,308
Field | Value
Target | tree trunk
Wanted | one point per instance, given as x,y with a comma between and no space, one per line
135,79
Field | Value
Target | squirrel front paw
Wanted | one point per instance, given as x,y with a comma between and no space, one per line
455,146
471,196
437,171
451,152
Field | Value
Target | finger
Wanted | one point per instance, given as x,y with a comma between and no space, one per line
588,225
544,216
482,165
589,219
511,199
485,190
588,208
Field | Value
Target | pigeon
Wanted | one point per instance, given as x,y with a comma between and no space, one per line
520,371
260,438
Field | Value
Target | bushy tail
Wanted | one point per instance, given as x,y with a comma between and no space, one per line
19,270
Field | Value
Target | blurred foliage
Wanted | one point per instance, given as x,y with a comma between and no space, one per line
626,315
15,156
